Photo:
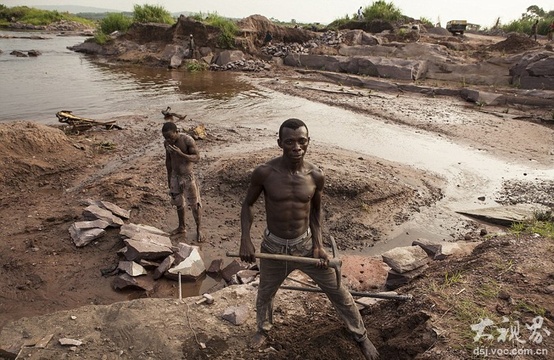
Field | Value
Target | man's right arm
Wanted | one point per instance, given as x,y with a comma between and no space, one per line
246,215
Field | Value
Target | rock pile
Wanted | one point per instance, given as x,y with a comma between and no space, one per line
146,247
241,65
527,192
62,25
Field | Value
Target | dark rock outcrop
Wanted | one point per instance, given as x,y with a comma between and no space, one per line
535,70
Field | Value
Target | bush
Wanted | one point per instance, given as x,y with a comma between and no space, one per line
195,66
152,13
426,22
228,30
115,22
381,10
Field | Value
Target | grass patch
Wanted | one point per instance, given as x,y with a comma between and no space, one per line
101,38
541,224
531,308
489,290
452,278
196,66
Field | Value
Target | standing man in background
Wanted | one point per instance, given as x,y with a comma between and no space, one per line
534,29
180,155
191,46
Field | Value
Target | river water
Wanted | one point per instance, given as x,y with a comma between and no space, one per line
36,88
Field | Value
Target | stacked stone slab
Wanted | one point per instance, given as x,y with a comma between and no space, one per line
98,215
407,263
410,262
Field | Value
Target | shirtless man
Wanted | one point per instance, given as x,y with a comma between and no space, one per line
292,191
180,154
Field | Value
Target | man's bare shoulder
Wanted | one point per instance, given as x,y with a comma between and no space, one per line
312,169
186,138
266,168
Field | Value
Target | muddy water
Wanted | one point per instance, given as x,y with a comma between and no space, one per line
35,88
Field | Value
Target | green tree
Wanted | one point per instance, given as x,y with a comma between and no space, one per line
152,13
535,11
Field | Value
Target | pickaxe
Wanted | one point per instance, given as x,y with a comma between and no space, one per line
334,262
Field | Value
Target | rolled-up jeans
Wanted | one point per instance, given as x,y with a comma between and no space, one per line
274,272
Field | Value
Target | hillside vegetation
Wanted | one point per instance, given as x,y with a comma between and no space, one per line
37,17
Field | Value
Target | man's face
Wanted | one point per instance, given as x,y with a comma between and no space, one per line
170,136
294,142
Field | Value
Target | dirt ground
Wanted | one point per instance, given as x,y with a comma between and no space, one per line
47,174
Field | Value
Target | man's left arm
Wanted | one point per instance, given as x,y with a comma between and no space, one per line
315,216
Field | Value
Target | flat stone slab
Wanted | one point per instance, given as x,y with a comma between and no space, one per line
124,281
116,210
405,258
396,279
132,268
93,212
147,246
441,250
190,268
505,215
84,237
363,273
130,230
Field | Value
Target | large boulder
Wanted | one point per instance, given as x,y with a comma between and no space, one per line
390,68
373,26
229,56
535,70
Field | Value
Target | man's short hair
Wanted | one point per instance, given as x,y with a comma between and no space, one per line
291,124
169,126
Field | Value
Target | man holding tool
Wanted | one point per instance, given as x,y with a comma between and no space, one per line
292,191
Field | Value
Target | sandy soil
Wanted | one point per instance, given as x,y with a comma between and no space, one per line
47,174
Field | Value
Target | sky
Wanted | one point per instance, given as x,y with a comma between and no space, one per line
481,12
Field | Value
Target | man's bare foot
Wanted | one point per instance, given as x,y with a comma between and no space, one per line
368,349
199,237
258,340
179,230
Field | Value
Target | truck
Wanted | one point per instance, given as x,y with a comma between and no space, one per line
456,26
